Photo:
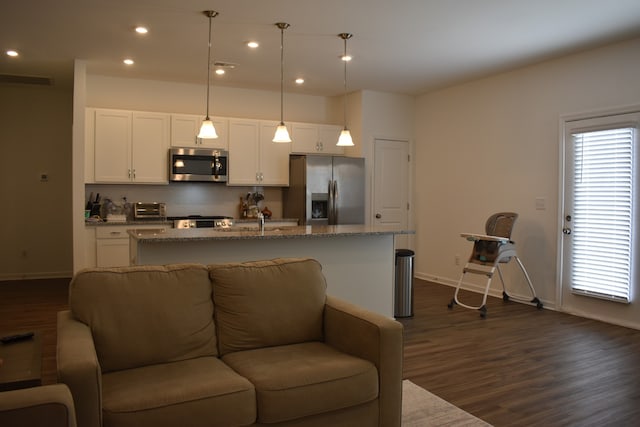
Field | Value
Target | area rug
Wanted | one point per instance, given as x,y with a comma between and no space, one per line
423,409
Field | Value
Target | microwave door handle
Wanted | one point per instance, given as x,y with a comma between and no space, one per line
216,166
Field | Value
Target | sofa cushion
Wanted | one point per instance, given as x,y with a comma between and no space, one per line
196,392
299,380
268,303
147,314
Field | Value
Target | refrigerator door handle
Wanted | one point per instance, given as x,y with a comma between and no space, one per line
335,204
330,203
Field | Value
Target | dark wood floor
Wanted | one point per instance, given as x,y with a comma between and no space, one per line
32,305
518,367
522,366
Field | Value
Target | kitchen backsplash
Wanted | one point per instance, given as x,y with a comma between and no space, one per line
184,198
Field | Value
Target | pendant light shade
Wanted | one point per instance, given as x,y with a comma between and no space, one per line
345,139
207,130
282,134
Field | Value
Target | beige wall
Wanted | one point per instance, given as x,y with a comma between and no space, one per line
493,145
35,219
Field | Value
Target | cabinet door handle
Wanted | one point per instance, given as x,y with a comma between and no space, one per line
129,173
134,174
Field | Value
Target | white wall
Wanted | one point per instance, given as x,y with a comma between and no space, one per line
172,97
35,219
381,115
492,145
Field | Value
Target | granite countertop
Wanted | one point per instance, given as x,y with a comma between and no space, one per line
266,220
164,222
101,223
241,233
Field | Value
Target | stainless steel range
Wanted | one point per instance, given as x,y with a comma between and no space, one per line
199,221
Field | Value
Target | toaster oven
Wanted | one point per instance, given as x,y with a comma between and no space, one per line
149,211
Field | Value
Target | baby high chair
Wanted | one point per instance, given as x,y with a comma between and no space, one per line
489,250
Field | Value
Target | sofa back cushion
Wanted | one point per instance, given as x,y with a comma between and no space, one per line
267,303
145,315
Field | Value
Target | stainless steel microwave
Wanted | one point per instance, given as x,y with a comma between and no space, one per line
198,164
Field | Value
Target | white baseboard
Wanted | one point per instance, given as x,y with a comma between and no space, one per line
474,287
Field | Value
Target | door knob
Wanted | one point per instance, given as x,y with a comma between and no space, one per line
378,216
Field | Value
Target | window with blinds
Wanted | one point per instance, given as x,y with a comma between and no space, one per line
603,217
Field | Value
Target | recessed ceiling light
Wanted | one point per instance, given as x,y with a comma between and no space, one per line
346,58
142,30
299,80
12,53
128,61
253,44
220,71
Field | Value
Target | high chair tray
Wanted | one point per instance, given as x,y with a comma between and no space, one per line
474,237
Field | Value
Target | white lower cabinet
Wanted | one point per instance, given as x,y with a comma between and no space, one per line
112,244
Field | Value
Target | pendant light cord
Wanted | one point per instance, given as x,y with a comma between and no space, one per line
211,14
345,37
282,27
344,98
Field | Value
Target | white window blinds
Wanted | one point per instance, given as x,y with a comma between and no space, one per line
603,213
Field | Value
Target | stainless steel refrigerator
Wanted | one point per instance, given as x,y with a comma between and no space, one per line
325,190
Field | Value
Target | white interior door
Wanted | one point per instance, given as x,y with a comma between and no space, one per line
391,186
599,200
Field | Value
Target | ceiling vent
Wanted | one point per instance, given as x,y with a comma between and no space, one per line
25,80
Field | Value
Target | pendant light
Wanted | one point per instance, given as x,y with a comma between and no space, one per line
207,130
282,134
345,139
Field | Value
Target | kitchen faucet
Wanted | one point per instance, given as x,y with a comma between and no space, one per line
261,222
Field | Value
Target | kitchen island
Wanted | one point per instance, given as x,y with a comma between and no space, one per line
358,261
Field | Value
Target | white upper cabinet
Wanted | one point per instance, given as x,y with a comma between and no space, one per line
130,147
112,153
150,148
185,128
274,157
124,146
254,159
308,138
243,159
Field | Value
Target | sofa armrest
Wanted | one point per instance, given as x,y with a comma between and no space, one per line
45,406
373,337
79,369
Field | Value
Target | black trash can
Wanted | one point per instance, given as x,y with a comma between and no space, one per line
403,290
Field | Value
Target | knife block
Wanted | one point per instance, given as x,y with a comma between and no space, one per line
95,209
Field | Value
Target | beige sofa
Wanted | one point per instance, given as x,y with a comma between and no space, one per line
257,343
